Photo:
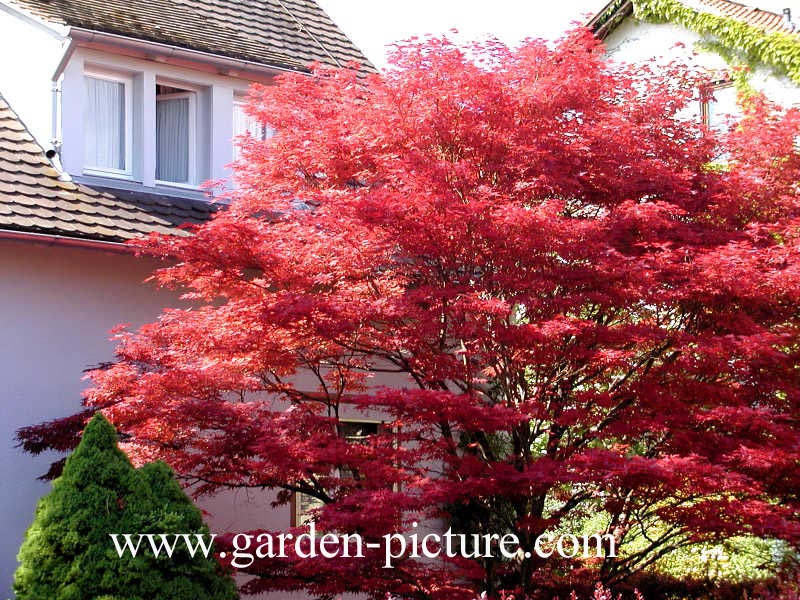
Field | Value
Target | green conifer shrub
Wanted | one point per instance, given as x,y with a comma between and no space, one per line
68,553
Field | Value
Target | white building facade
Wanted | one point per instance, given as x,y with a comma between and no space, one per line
632,39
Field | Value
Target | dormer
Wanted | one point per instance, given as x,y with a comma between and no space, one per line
145,119
149,95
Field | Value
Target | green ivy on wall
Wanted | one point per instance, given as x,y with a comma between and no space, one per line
739,44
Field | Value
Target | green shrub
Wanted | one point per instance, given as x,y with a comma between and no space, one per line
68,553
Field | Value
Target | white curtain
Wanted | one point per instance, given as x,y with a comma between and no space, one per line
241,126
241,121
244,123
172,140
104,145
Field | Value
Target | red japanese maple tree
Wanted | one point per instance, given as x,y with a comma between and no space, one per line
591,312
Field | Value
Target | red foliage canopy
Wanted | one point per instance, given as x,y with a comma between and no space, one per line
591,313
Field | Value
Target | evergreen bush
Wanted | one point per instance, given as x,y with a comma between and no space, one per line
68,553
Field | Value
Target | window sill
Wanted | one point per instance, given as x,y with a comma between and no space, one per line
128,184
108,173
178,186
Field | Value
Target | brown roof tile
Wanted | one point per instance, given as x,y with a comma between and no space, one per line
284,33
757,17
33,198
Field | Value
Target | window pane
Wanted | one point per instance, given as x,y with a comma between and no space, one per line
357,432
722,107
354,432
105,124
243,123
305,504
240,126
172,140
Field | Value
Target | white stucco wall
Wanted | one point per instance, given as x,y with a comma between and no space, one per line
30,53
635,41
56,307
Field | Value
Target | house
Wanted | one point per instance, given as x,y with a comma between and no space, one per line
740,45
112,115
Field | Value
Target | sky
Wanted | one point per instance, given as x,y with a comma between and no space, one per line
372,24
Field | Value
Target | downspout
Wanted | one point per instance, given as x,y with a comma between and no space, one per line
54,152
55,130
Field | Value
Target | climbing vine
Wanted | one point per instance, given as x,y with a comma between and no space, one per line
738,43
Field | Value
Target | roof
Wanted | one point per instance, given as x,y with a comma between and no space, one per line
33,199
288,34
605,21
764,20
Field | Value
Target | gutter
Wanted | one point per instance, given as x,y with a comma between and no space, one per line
65,241
160,52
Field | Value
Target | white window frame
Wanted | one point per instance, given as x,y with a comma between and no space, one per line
266,132
191,94
238,104
300,517
707,102
127,82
